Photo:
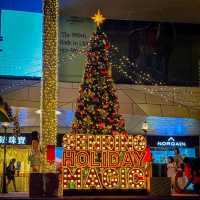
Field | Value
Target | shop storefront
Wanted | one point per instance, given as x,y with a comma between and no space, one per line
18,147
163,146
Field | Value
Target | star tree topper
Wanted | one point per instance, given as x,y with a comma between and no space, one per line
98,18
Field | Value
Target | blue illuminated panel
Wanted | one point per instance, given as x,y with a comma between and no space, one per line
59,151
172,126
21,38
160,156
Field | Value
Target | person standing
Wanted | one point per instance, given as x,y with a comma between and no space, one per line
196,175
187,173
171,171
10,172
178,159
35,155
179,170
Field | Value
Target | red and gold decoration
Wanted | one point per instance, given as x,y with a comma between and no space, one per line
103,162
51,153
99,153
97,109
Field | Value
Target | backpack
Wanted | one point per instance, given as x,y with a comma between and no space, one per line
8,170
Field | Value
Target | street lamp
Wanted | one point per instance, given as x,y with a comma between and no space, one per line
145,127
5,125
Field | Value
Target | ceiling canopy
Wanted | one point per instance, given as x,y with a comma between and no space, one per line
151,10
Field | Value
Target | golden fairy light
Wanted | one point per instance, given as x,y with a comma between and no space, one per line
50,80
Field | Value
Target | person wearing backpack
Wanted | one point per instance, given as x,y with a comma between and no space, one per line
10,173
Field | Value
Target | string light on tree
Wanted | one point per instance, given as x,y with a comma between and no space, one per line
97,109
140,77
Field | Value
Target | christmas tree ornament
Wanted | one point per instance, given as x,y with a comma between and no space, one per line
102,125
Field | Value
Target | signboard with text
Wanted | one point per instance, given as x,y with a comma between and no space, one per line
103,162
10,139
74,34
173,141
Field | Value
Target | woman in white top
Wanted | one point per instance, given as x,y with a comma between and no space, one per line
171,171
35,156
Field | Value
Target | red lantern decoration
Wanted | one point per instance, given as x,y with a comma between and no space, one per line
51,153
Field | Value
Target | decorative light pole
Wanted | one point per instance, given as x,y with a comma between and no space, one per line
147,157
5,125
50,80
145,127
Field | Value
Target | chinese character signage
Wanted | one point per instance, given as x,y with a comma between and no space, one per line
103,162
16,140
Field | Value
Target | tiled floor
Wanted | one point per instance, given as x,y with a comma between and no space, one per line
22,196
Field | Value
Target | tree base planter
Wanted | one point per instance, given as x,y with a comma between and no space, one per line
36,185
44,184
51,184
160,186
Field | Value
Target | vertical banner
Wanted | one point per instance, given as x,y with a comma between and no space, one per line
51,153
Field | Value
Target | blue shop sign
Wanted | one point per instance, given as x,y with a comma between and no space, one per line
15,140
172,141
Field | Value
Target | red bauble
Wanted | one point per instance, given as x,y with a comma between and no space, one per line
107,46
95,99
106,106
121,122
104,72
102,125
110,120
115,133
125,133
93,126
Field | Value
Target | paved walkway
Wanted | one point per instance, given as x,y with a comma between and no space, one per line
23,196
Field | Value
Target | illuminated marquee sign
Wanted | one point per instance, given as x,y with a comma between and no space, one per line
103,162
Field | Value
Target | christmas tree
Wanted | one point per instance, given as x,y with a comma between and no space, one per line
97,110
